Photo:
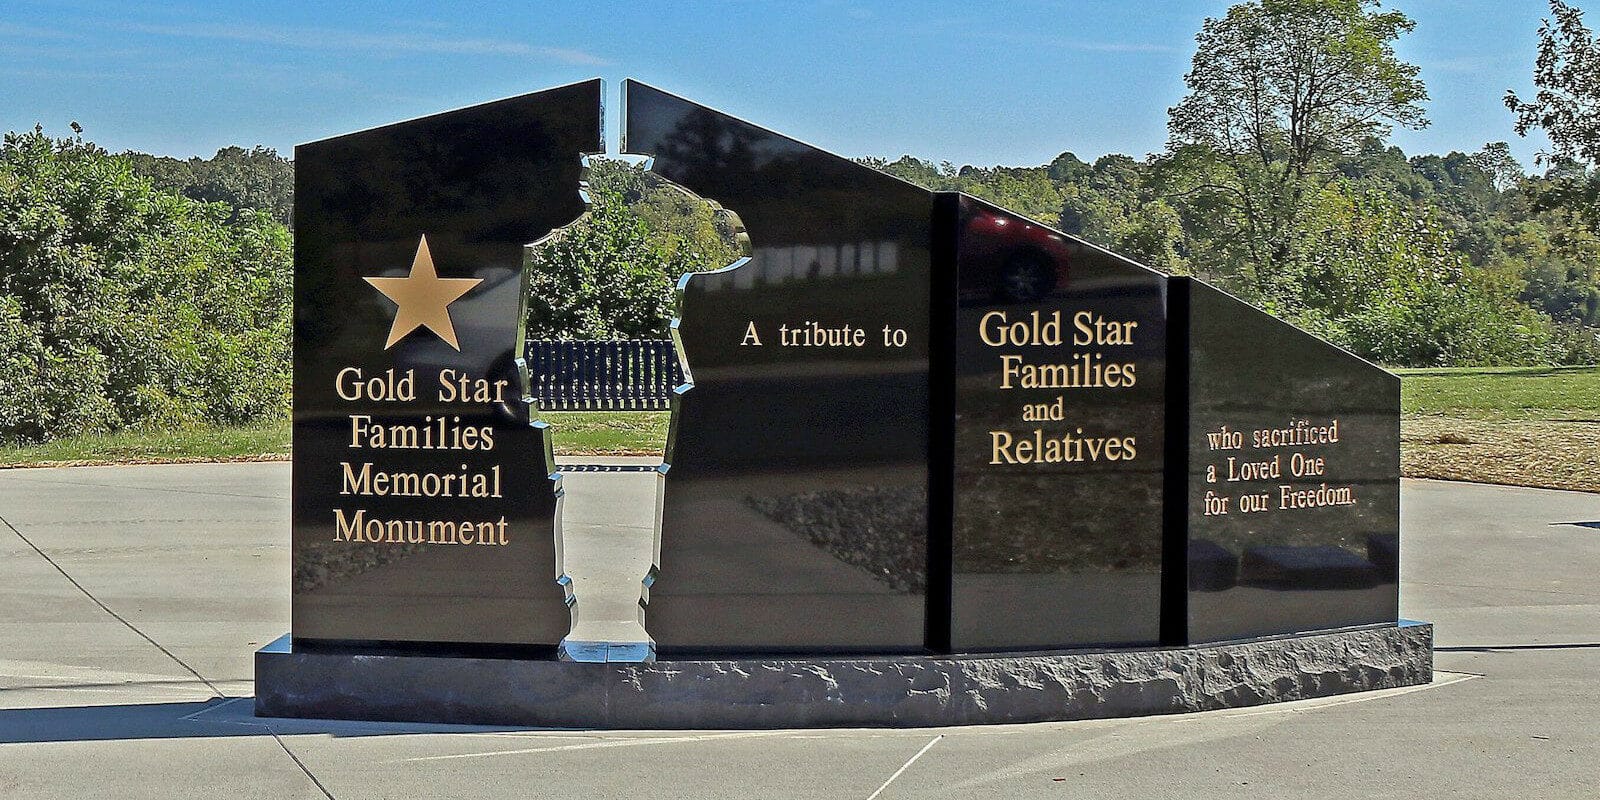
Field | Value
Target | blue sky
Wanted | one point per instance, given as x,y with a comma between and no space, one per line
986,83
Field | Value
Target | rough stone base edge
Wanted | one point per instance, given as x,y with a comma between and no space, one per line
839,692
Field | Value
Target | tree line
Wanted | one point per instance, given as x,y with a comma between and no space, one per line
138,290
1278,183
126,302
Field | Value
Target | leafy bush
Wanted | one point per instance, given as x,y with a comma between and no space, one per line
1386,282
121,305
1439,324
599,278
612,273
1576,344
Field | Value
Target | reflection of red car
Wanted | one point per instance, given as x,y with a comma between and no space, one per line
1008,258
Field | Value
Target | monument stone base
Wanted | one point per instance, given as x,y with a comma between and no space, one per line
886,691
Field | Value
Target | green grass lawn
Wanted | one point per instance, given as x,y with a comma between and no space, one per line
1524,426
608,432
262,441
575,433
1509,393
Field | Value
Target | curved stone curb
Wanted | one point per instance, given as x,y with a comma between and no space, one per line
907,691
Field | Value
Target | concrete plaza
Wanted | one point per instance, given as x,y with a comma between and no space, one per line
132,599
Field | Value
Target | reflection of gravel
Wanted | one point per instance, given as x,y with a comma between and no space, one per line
1067,522
316,565
882,531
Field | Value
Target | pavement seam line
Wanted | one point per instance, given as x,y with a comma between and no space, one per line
603,743
905,766
282,745
299,763
209,708
114,615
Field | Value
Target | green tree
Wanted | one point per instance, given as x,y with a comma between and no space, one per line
1387,282
257,179
1278,91
694,234
942,177
1383,165
1025,190
121,305
611,274
1567,107
1503,169
1153,235
1068,168
1567,74
1557,255
599,278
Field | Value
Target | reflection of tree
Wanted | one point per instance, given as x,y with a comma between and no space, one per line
409,178
715,149
482,182
1009,524
786,192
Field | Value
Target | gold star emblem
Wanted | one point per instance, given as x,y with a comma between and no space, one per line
423,298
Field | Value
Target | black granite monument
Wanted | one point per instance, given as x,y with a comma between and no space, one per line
923,442
425,499
1060,389
796,495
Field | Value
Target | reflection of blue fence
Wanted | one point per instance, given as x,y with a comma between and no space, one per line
603,375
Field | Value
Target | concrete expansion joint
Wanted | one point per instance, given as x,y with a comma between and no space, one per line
108,610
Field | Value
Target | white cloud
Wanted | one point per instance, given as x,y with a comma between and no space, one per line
34,32
326,39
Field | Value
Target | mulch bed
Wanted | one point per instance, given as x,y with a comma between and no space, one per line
1550,455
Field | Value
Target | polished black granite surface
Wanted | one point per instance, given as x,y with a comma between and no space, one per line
795,507
913,421
423,499
1293,478
1059,393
